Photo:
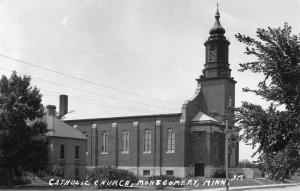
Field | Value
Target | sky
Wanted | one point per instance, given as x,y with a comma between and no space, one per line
143,56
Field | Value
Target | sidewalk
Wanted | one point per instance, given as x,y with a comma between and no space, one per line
249,187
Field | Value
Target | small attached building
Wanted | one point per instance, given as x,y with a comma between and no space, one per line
67,147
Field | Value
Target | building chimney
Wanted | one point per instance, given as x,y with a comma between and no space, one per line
63,105
51,110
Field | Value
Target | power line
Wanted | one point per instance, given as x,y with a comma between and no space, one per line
102,95
105,105
86,91
81,98
114,106
81,79
102,110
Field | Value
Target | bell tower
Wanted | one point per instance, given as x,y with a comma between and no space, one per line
217,87
216,48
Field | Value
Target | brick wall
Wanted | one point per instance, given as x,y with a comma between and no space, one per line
136,127
69,163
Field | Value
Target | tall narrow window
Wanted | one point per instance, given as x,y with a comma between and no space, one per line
62,151
104,142
125,141
171,141
147,141
76,152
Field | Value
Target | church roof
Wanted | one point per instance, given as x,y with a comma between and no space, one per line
70,117
203,117
217,28
58,128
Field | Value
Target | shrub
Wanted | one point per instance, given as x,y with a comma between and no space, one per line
163,178
220,173
18,178
178,185
110,174
52,171
21,180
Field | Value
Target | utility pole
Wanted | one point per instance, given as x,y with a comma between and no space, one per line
226,141
226,117
226,151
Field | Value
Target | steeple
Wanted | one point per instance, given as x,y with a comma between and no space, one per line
217,28
216,64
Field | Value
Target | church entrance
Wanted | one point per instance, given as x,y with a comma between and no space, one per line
199,169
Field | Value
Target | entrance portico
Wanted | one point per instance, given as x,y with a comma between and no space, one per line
207,144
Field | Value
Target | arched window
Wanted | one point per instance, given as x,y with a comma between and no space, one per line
147,141
125,141
171,141
104,148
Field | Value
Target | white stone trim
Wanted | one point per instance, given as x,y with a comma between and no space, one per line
135,124
158,122
170,152
178,171
133,169
206,128
182,121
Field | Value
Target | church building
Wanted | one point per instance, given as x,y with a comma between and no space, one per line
187,143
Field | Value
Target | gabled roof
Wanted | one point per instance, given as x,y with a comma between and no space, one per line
58,128
201,117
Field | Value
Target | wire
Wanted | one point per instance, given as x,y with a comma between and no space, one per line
81,79
102,95
98,111
81,98
116,106
85,91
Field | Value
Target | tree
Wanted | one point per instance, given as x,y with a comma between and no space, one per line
23,142
276,132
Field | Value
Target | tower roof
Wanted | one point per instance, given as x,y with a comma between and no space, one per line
217,28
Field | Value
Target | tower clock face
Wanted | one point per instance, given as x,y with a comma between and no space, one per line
212,53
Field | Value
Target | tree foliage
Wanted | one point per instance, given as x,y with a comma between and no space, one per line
276,132
23,143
